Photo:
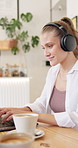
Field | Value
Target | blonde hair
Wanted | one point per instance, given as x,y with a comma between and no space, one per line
69,27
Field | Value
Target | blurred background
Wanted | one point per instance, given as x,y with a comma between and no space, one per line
32,64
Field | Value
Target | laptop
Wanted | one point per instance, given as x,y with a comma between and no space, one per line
7,126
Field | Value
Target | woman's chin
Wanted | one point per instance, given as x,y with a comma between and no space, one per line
53,63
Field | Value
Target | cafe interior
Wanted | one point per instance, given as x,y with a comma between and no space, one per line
23,67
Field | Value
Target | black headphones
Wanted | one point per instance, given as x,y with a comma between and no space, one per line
68,41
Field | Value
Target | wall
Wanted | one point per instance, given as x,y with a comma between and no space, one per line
54,2
7,8
59,10
72,8
34,60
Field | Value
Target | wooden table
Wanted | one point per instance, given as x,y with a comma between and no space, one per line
56,137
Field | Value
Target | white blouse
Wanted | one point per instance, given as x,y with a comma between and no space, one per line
69,118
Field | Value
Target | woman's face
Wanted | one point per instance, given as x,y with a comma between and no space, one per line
52,50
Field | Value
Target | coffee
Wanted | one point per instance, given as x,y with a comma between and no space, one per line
22,115
14,140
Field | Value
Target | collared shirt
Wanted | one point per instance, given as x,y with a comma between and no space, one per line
69,118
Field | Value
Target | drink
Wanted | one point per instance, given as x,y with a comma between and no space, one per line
25,122
21,115
15,140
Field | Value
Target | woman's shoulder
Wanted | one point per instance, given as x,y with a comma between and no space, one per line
74,68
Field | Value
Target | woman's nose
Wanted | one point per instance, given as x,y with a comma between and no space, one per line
46,53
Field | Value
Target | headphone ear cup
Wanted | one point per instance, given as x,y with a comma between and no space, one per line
68,42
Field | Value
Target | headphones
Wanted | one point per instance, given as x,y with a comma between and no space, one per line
68,41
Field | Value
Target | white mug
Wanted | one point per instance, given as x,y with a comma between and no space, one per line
25,122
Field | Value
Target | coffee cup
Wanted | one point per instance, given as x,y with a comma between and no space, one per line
16,140
25,122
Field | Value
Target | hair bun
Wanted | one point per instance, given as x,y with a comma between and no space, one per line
68,21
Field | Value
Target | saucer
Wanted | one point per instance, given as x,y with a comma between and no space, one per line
38,133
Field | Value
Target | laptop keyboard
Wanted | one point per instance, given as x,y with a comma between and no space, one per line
8,125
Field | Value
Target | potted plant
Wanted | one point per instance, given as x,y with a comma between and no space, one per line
16,34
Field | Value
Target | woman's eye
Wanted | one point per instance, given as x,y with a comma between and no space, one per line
50,46
43,48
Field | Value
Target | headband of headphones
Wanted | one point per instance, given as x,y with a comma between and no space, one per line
60,27
68,41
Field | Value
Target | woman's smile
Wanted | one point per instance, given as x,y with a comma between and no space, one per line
51,58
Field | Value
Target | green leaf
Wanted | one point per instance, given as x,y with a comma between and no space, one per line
4,22
14,50
16,23
34,41
10,31
29,16
23,17
23,36
26,17
26,47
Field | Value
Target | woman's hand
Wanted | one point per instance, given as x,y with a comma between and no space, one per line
6,113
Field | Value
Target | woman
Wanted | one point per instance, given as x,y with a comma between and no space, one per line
58,103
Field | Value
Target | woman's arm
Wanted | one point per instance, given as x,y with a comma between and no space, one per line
47,118
44,118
